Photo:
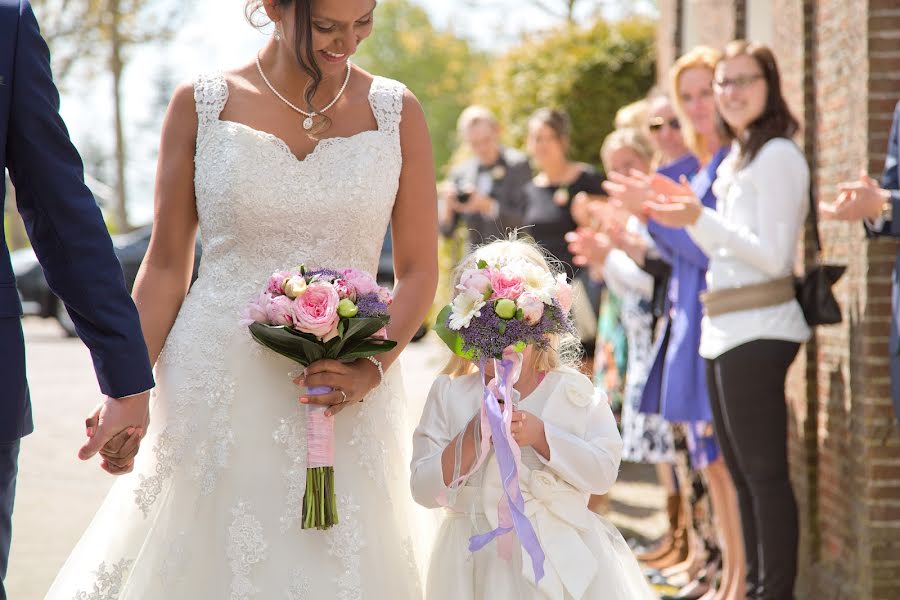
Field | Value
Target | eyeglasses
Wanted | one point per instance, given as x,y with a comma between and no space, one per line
657,123
740,83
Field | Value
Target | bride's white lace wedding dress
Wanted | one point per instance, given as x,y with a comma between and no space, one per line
212,510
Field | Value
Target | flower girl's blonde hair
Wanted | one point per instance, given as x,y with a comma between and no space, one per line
562,350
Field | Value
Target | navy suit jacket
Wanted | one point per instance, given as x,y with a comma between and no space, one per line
890,180
65,226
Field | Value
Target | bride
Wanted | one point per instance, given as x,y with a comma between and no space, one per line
299,156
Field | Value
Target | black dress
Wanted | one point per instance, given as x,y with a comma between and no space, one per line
549,222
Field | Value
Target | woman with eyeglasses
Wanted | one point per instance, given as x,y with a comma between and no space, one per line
753,326
676,385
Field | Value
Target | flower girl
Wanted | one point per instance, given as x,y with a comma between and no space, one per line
561,432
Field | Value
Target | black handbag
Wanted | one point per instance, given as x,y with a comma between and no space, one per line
814,294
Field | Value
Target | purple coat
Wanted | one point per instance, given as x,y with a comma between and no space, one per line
676,383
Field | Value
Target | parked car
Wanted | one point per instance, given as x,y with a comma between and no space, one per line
130,248
36,296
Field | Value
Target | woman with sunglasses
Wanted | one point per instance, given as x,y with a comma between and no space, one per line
753,326
676,385
665,130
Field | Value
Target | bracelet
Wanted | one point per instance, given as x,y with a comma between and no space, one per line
378,366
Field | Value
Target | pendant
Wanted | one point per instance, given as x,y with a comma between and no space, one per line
308,123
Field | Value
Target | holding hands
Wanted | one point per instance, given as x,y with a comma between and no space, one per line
115,430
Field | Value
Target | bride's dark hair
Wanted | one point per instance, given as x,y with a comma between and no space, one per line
303,44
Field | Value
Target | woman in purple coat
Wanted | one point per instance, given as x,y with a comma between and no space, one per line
676,385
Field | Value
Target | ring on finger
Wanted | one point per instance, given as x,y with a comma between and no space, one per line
344,396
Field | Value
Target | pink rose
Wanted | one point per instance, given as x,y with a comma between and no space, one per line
476,280
563,293
361,281
315,312
532,307
506,285
275,286
280,311
385,296
344,289
255,312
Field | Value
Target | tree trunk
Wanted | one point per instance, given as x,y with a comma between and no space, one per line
116,67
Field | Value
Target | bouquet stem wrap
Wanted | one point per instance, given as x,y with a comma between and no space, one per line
319,501
496,425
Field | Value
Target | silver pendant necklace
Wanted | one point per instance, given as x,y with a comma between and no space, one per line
308,121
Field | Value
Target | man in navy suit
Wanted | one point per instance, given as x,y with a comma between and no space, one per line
878,207
71,241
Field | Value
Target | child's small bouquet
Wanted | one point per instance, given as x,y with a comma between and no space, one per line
501,306
309,315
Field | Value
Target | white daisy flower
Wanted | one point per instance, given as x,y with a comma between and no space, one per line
466,306
539,282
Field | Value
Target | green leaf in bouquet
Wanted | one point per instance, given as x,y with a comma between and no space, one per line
365,348
342,327
363,327
520,314
482,264
288,343
502,327
450,337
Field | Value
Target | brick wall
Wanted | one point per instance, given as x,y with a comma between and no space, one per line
840,64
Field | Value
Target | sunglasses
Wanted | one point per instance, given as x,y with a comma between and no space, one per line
657,123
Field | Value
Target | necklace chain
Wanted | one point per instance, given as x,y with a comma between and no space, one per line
307,123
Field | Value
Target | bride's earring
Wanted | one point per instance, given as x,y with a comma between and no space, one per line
276,33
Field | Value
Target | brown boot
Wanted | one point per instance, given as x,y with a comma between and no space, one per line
664,545
680,548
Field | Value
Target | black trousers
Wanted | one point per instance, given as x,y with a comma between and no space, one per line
746,390
9,455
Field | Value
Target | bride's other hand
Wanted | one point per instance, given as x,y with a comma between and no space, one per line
354,379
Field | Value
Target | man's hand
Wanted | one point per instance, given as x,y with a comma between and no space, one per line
862,199
105,425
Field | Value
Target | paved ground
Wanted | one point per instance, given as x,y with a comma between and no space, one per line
58,494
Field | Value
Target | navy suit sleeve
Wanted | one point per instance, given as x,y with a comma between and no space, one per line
65,225
890,179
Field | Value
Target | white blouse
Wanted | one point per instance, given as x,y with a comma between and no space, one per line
751,238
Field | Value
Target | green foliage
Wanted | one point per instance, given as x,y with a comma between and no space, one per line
440,68
590,72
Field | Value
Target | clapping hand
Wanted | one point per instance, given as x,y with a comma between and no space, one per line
629,191
588,247
862,199
676,205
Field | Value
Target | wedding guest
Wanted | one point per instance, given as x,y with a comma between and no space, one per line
877,206
485,192
632,116
556,202
676,385
665,133
753,325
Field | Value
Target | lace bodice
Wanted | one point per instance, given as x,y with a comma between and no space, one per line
261,209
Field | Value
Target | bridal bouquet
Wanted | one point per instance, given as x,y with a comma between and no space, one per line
498,310
309,315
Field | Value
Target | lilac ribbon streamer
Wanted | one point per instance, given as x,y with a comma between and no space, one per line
506,460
